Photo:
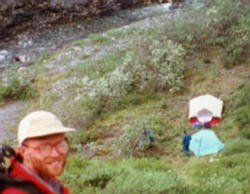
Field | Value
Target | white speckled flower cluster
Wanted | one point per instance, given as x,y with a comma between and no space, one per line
151,68
115,84
157,67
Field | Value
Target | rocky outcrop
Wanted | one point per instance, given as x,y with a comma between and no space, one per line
42,12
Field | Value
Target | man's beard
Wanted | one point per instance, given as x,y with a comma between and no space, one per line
43,168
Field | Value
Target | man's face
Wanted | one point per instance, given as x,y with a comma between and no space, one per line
46,155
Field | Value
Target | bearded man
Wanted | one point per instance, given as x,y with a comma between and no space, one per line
40,156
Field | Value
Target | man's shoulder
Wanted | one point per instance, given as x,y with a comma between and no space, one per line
24,187
187,136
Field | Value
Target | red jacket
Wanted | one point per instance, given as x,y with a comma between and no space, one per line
20,171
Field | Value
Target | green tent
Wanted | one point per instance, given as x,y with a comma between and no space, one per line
205,142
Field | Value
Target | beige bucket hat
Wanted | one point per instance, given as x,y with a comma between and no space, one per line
40,123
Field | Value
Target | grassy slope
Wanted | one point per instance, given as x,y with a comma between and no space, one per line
103,157
227,173
165,169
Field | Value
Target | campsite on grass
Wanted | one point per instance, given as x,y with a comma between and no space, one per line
134,78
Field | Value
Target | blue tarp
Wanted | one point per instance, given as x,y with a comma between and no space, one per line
205,142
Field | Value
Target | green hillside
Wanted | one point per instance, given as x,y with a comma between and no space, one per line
109,86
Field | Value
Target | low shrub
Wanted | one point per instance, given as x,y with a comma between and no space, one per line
98,68
147,175
99,174
16,89
128,142
246,131
83,111
131,141
153,164
240,104
235,160
242,118
73,171
236,146
224,24
82,136
237,42
100,38
128,100
135,181
240,98
161,69
222,175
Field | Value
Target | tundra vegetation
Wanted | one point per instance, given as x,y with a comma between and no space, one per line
146,81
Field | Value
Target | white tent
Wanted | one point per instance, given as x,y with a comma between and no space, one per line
205,108
204,115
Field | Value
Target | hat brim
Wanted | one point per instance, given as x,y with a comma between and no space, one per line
49,131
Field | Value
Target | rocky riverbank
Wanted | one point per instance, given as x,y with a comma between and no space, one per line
16,15
26,46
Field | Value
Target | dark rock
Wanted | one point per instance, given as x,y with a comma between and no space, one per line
22,59
128,3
